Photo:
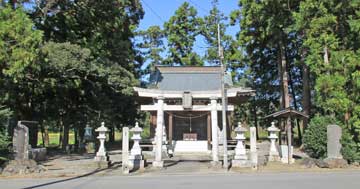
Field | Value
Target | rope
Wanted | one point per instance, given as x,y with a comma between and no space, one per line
183,117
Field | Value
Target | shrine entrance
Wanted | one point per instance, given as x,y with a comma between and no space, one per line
190,126
189,131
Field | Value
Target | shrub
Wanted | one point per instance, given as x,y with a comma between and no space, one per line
315,138
350,149
4,142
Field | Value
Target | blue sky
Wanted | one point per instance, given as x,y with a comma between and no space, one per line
159,11
166,8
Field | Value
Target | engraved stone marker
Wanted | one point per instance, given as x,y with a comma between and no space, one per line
125,150
333,141
21,142
253,150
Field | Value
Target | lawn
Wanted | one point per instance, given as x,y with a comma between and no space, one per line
54,138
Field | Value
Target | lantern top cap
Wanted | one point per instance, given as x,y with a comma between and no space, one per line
240,128
273,128
136,128
102,128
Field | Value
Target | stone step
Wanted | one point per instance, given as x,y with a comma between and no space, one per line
190,146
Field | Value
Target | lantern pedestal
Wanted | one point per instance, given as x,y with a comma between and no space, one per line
273,153
136,161
101,156
240,158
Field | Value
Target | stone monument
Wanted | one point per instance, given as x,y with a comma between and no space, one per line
333,141
240,158
22,154
101,156
125,150
136,160
21,142
334,158
253,149
273,152
285,154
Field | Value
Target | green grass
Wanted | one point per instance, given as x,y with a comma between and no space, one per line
54,138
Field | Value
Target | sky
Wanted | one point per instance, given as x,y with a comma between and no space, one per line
159,11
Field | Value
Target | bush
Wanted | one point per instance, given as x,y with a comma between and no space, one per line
4,142
315,138
350,149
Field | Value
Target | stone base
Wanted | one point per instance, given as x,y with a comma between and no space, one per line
216,164
158,164
21,167
274,158
38,154
240,163
191,146
101,158
285,160
90,147
254,160
103,164
136,164
336,163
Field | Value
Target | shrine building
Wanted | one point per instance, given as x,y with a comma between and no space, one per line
185,108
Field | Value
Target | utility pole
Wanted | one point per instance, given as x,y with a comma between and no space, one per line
223,99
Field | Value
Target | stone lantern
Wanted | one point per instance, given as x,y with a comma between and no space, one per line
101,154
273,153
240,151
240,159
136,150
88,135
135,159
89,140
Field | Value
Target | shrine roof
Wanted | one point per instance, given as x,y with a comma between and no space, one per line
187,78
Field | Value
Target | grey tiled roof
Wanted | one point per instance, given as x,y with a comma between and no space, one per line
188,78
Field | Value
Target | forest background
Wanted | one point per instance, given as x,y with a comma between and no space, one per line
67,63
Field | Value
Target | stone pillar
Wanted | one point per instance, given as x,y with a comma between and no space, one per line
334,158
334,133
214,131
273,153
101,155
253,150
159,133
125,150
240,159
164,140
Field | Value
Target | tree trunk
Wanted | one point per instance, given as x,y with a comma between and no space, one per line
295,105
46,135
65,138
61,130
112,134
76,138
306,93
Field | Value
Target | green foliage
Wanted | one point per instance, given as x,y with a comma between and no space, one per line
4,142
152,45
181,31
19,48
315,137
19,42
350,149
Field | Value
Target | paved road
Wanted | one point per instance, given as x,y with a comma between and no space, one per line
336,180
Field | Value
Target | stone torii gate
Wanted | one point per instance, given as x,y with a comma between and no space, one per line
188,90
